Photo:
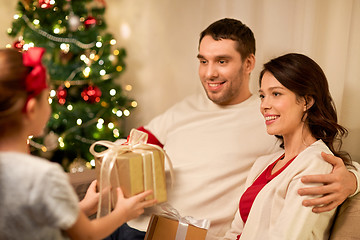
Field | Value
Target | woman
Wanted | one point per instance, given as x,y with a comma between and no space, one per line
298,109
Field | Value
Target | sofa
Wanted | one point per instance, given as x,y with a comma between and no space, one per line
346,225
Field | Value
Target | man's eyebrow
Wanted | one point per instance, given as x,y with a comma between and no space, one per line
223,57
217,57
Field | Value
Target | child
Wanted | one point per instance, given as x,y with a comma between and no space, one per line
36,199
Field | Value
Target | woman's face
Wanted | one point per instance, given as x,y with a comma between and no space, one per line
282,110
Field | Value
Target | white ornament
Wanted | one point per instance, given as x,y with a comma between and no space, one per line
74,22
51,141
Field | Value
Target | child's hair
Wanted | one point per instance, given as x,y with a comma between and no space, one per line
14,84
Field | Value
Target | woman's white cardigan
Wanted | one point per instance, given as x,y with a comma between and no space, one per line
277,212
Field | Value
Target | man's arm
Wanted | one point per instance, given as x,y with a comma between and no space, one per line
338,185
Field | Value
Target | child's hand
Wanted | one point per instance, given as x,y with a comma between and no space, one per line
90,202
133,207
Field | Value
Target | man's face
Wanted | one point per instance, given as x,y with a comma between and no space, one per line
222,72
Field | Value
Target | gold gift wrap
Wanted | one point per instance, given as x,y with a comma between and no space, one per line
136,172
165,228
131,164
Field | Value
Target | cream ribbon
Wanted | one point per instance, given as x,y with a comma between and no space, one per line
170,212
136,141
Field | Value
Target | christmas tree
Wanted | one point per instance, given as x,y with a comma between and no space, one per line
82,62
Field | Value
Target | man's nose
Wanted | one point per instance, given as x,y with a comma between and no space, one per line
211,71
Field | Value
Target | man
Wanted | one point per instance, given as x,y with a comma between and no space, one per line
214,140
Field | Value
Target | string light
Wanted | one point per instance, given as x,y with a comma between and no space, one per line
111,57
101,121
92,162
119,68
65,47
134,104
78,121
112,92
116,132
86,72
70,107
128,88
102,72
56,30
57,39
52,93
126,112
61,142
67,84
111,125
119,113
88,165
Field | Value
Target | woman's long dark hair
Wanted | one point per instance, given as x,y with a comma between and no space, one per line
303,76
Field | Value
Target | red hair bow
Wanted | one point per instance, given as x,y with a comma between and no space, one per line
36,79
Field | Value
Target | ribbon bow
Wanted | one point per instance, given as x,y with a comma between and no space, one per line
36,79
136,140
170,212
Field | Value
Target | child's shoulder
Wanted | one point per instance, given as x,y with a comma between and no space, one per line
22,162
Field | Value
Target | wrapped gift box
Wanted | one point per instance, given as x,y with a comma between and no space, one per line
165,228
131,164
137,171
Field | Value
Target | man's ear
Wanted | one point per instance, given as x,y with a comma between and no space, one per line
249,63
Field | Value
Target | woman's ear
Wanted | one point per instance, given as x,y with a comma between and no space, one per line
309,102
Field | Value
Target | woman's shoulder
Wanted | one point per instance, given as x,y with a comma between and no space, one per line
311,157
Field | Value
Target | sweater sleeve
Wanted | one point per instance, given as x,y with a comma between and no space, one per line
357,175
151,137
236,227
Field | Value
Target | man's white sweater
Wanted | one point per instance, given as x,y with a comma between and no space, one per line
212,149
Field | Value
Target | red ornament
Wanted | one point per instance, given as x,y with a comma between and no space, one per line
90,22
19,44
91,94
61,94
45,4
